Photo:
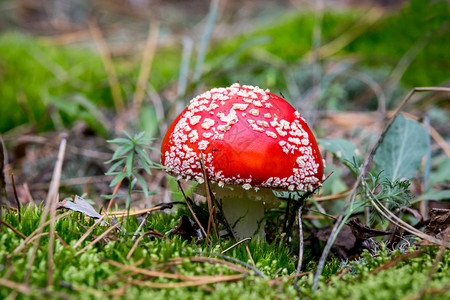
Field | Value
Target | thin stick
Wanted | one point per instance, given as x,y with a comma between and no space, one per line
99,238
361,175
144,219
236,244
88,232
258,272
190,208
210,197
16,198
135,245
13,229
300,251
105,55
250,256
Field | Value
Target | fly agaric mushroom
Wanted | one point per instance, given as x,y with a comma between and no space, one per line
250,142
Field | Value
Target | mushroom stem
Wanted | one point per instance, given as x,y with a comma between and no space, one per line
244,209
243,215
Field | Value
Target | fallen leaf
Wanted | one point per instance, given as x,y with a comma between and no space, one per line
186,228
439,222
80,205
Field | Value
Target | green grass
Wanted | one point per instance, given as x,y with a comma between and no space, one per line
84,275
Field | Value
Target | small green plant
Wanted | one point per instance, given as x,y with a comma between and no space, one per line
132,158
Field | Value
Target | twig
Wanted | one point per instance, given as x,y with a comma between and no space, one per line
16,198
250,256
99,238
339,222
135,244
209,197
13,229
236,244
144,219
88,232
258,272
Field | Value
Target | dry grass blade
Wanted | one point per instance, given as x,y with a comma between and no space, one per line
300,251
32,236
19,287
339,222
49,207
398,259
88,232
52,200
98,238
281,278
109,66
14,229
257,272
123,213
146,272
211,260
211,279
236,244
146,66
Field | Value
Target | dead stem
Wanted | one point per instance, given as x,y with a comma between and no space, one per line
300,250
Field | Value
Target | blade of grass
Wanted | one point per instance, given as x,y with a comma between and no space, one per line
206,37
146,65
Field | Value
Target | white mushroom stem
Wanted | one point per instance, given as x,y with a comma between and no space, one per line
244,209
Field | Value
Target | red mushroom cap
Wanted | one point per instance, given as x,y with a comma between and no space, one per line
245,136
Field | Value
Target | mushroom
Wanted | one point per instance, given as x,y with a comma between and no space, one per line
250,142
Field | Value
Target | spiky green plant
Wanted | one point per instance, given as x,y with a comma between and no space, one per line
129,159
